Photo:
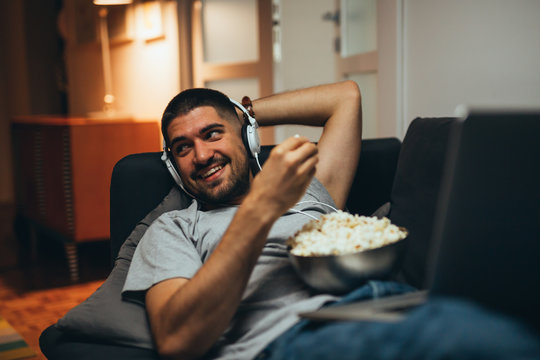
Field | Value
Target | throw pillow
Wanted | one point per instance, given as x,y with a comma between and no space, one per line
104,315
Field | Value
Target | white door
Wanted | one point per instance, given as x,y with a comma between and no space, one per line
323,41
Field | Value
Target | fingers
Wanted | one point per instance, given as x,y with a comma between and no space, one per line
294,142
296,150
308,166
305,156
287,173
297,156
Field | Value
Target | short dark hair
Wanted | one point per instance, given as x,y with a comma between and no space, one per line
190,99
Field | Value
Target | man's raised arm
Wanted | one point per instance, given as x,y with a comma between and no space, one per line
338,108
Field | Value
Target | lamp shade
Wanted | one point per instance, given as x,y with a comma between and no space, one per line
112,2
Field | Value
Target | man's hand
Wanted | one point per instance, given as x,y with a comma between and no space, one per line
285,176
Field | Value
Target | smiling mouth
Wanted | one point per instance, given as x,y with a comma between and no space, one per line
211,172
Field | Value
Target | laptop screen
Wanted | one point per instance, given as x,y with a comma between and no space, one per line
487,232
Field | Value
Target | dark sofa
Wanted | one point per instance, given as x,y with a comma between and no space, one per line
399,179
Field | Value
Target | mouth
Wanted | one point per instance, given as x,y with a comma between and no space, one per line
211,173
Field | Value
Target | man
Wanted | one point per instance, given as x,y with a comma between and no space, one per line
215,277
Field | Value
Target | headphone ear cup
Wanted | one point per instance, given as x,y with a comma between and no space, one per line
251,140
174,173
245,139
172,170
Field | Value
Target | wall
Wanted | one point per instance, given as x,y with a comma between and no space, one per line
13,88
145,74
28,85
388,75
28,78
481,52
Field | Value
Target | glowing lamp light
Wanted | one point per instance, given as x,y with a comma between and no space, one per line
108,99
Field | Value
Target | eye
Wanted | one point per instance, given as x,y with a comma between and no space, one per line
213,135
180,149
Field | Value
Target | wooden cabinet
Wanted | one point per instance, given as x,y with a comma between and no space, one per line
63,168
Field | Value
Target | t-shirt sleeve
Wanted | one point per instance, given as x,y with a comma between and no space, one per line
319,192
167,250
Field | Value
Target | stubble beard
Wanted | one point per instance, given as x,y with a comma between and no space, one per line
236,186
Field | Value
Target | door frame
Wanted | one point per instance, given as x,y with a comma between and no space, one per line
195,72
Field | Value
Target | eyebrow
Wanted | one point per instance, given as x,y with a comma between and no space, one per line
202,131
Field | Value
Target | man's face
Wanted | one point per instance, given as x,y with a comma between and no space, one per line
210,156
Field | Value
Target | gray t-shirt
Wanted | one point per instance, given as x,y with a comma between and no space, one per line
179,242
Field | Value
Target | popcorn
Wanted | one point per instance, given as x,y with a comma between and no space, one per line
341,233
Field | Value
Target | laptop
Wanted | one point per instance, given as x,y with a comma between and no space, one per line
486,239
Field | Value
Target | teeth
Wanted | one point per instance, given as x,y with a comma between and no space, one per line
212,170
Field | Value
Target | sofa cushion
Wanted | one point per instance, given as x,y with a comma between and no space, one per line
415,191
104,316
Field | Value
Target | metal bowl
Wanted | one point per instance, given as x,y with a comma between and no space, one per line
342,273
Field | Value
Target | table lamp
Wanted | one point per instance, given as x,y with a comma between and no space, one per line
108,100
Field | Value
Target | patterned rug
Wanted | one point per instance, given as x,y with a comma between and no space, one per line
12,345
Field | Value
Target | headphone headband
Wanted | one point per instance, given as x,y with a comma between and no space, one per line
246,113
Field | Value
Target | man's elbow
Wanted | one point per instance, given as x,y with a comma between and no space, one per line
352,91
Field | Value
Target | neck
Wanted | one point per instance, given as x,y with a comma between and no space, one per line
212,206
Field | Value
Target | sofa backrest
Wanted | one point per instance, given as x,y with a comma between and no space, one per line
139,182
374,175
415,190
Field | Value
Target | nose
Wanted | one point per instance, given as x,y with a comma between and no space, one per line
202,152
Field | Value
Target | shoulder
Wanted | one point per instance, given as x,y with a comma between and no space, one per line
177,218
168,229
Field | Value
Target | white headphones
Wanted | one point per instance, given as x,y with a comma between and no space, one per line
250,137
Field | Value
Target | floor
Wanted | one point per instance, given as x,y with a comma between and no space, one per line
36,290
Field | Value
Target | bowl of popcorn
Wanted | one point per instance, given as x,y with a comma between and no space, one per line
341,251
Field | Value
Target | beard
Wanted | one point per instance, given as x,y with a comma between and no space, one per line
226,191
